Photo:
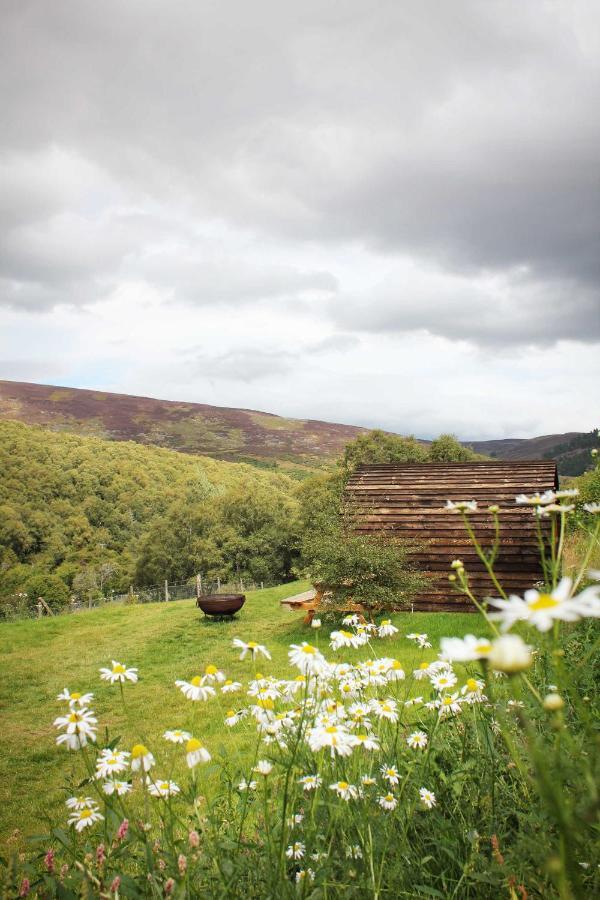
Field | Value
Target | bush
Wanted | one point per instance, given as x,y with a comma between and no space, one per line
50,588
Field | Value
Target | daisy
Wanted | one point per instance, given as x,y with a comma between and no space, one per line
315,623
111,762
385,709
74,698
232,717
427,798
388,801
461,506
351,620
535,499
465,649
344,790
307,658
310,782
443,681
116,787
417,740
386,629
196,689
81,723
472,690
247,785
367,741
448,705
354,852
543,609
340,639
303,874
231,687
391,774
424,671
177,736
593,508
211,673
84,818
250,647
395,672
141,758
263,767
163,789
295,851
80,803
334,737
72,741
195,753
119,672
367,780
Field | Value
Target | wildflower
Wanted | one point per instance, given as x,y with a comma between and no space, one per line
111,762
593,508
391,774
464,649
344,790
263,767
310,782
427,798
336,738
119,672
395,671
79,723
448,705
79,803
182,864
472,690
553,702
352,620
194,839
100,855
169,885
307,658
367,780
122,830
542,609
417,740
388,801
303,874
544,511
84,818
231,687
461,506
196,689
120,788
566,493
424,671
195,753
177,736
367,741
386,629
315,623
115,885
536,499
49,861
211,673
444,680
510,654
296,819
74,698
420,640
163,789
385,709
296,850
340,639
250,647
141,758
457,564
247,785
72,741
232,717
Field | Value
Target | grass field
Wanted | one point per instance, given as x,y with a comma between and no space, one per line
166,642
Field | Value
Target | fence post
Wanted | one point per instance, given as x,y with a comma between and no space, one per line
39,609
218,584
241,586
198,586
166,591
262,584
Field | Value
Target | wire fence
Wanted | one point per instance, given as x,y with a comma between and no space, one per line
21,607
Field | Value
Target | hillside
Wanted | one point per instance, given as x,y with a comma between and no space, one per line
85,516
220,432
570,450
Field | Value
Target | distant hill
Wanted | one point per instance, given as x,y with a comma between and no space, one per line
240,435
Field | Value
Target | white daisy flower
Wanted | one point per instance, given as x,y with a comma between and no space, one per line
79,722
80,803
72,741
304,874
352,620
367,780
196,689
195,753
211,673
427,798
465,649
75,698
111,762
443,681
367,741
395,671
461,506
593,508
250,647
510,654
388,801
263,767
390,774
116,787
247,785
308,659
386,629
84,818
344,790
333,737
417,740
535,499
339,639
543,609
296,850
232,717
177,736
141,758
472,690
163,789
315,623
385,709
354,852
310,782
231,687
119,672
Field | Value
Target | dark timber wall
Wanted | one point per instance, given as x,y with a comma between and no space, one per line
408,499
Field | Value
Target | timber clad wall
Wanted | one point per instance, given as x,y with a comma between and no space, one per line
408,499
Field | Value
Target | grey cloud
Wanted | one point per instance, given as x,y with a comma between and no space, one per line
244,364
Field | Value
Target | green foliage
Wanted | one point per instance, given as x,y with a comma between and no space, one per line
379,447
446,448
50,587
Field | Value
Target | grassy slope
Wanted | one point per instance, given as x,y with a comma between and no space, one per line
166,642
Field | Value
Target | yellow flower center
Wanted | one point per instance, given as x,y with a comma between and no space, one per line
266,703
346,634
164,785
389,797
259,676
472,684
118,669
85,813
343,785
138,751
362,737
229,681
112,761
75,695
483,648
74,717
252,645
544,601
211,670
308,648
387,622
396,664
390,772
331,729
196,681
447,701
230,713
192,745
424,665
300,678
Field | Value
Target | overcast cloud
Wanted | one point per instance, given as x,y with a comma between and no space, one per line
384,214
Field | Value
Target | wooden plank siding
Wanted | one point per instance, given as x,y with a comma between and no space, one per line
407,500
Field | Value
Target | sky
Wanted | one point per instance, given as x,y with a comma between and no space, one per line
384,214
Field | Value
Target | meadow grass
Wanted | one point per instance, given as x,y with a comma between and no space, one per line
166,642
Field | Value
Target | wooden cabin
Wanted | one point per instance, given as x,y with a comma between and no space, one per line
407,500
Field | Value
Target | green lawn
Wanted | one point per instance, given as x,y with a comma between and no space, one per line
165,641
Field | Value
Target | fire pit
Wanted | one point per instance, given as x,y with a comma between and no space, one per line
221,604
